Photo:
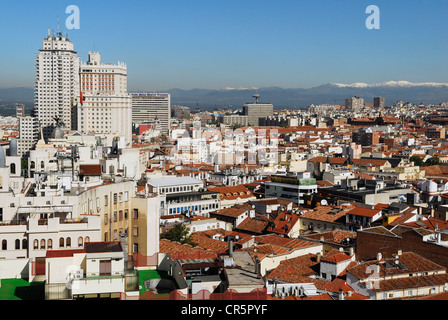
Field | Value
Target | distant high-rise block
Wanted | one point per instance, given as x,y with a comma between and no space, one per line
151,108
57,83
255,111
354,103
20,110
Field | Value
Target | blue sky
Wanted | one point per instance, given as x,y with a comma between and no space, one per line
227,43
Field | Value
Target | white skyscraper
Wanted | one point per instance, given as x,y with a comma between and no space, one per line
106,107
57,82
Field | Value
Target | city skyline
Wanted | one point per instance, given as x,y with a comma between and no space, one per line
214,45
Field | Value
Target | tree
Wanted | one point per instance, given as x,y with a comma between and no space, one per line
179,233
418,161
432,161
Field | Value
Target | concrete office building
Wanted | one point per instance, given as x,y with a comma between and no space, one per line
291,187
152,108
354,103
379,102
57,82
255,111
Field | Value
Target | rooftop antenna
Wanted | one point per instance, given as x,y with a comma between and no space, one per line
256,96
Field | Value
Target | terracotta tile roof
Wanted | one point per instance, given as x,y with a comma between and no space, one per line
325,213
335,236
90,169
320,297
381,206
335,256
233,212
296,269
324,183
337,284
356,296
254,225
284,222
184,251
370,162
233,192
205,242
365,212
63,253
412,262
332,160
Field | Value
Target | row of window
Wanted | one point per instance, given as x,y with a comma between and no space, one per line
44,244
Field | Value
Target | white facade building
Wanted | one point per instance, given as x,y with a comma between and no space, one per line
28,134
105,108
57,82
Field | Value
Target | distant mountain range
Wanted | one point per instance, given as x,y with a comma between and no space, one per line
330,93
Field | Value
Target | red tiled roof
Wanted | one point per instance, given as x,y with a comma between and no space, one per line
365,212
63,253
335,256
184,251
233,192
90,169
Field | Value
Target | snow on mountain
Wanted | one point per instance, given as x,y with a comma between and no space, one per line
389,84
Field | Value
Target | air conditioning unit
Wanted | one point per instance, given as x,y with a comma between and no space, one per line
79,274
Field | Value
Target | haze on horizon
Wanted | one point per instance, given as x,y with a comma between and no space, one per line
236,44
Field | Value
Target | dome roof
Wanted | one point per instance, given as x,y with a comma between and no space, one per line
166,145
58,133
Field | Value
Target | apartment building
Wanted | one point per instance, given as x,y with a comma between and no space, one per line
184,195
57,83
403,275
291,187
28,134
354,103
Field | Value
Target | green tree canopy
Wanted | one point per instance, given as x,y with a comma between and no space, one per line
178,233
432,161
418,161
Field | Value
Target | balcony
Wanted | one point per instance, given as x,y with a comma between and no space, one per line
98,285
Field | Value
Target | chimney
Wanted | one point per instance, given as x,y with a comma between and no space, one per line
231,248
351,251
318,255
341,294
257,267
379,256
